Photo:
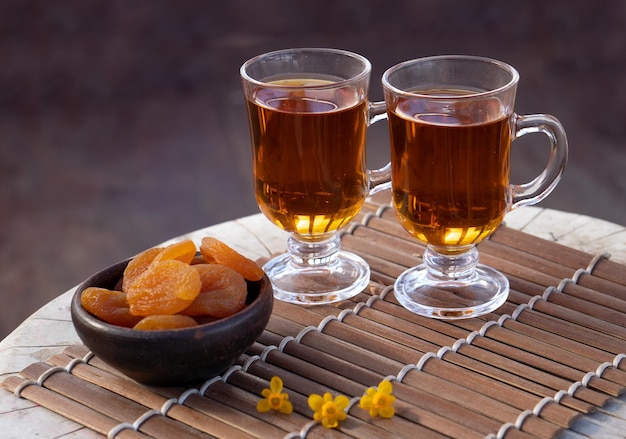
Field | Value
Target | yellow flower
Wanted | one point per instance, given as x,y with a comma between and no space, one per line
379,401
330,411
275,399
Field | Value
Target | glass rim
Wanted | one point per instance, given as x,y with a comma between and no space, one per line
365,71
472,95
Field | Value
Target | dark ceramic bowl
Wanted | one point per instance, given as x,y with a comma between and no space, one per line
175,356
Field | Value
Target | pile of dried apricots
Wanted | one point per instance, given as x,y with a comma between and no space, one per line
170,287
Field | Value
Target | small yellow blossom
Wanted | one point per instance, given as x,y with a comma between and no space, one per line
275,398
379,401
330,411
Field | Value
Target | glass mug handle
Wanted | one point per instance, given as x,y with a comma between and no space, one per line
379,179
539,188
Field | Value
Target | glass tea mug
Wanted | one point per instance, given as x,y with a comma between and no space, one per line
308,114
451,124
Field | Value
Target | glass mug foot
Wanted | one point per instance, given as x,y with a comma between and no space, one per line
315,273
458,289
484,293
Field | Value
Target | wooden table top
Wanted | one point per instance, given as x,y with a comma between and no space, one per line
49,330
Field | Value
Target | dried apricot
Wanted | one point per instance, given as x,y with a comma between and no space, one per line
215,251
223,292
107,305
138,265
183,251
166,287
157,322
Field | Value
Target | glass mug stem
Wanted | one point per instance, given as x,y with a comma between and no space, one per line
446,266
311,254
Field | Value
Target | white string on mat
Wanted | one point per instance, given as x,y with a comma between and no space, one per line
342,315
230,371
592,266
143,418
304,431
381,210
249,362
406,369
444,349
49,372
558,396
348,230
186,394
304,332
353,400
566,282
531,303
355,225
135,425
359,306
365,221
427,356
167,405
467,340
597,258
584,382
562,284
306,428
501,432
118,428
470,338
520,419
382,294
283,343
76,361
618,359
373,299
319,328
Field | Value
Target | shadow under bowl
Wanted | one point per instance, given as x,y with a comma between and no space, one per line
175,356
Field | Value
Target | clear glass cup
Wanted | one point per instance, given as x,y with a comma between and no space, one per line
451,124
308,114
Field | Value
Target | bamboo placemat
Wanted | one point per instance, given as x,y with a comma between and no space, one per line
553,352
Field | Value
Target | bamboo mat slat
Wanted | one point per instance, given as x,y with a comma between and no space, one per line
554,352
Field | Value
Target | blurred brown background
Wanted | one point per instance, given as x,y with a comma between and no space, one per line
122,123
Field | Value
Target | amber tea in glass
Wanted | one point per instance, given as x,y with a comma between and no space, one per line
308,114
451,123
462,195
309,155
